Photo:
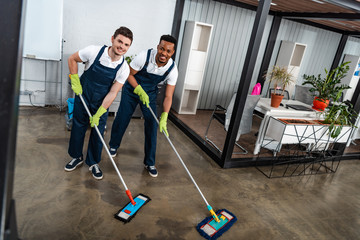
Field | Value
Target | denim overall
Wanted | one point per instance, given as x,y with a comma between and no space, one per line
129,101
96,83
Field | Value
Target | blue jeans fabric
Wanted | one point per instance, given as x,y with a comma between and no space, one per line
128,103
80,125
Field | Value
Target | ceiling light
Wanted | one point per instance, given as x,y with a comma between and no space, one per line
274,4
318,1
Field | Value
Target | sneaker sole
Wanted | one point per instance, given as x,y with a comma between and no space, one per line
97,178
153,175
112,154
72,169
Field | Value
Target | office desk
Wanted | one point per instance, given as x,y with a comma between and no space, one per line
355,132
264,107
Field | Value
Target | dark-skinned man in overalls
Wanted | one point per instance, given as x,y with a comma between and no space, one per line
147,70
105,73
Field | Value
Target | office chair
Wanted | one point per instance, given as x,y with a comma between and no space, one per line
271,90
303,94
223,115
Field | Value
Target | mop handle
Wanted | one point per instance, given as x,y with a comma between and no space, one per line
107,150
188,172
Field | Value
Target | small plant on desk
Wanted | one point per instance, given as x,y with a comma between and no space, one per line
281,77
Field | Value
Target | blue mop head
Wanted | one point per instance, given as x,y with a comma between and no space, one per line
129,211
210,229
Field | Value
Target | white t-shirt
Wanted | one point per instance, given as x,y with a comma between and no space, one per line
139,61
88,55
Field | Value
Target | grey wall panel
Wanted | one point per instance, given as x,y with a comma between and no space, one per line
229,43
320,51
352,46
230,39
321,45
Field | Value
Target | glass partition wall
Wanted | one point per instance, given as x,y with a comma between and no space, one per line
214,66
223,77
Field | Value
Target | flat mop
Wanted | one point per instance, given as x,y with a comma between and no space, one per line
214,226
128,212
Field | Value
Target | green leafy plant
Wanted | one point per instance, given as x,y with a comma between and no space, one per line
281,78
330,86
128,59
338,115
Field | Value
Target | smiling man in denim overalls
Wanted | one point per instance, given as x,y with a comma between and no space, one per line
147,70
105,73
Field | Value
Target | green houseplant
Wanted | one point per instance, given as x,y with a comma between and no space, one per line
338,115
328,87
128,59
281,77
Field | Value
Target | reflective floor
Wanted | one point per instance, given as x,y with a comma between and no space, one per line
54,204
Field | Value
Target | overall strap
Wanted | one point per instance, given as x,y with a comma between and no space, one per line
119,65
100,53
169,70
147,59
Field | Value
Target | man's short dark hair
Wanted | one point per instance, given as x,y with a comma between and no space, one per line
169,38
125,32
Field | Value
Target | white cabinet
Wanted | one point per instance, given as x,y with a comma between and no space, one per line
193,56
353,75
291,55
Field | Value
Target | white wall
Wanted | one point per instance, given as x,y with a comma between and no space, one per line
94,22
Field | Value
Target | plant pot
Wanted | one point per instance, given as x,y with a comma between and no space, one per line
320,104
276,100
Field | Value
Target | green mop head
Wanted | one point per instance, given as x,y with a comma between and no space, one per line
210,229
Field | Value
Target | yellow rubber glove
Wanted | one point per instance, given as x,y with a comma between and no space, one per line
142,94
163,123
75,83
94,120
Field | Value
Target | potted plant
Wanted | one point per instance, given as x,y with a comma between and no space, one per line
338,115
324,89
281,77
128,59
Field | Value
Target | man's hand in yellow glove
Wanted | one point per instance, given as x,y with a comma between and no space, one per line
94,120
163,123
75,83
142,94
